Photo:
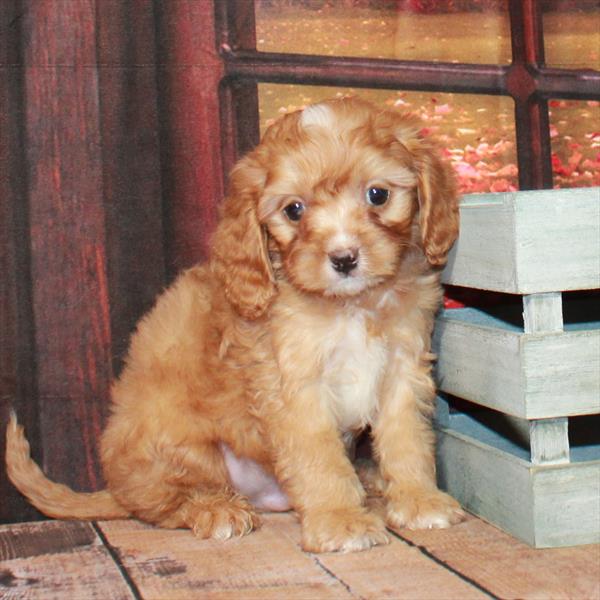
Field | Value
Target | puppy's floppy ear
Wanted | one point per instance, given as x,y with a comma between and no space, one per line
438,203
239,255
436,188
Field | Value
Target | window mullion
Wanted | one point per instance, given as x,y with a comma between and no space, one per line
531,109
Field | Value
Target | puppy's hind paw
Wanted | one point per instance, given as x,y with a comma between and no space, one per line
370,477
423,510
221,518
342,530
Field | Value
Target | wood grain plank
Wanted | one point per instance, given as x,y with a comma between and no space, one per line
130,164
470,560
528,242
490,482
484,254
175,564
488,361
393,571
561,373
48,537
511,569
189,74
558,240
269,563
17,359
479,363
398,571
56,560
492,476
68,255
567,504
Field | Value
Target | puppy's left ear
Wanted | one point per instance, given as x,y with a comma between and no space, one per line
438,202
240,257
436,188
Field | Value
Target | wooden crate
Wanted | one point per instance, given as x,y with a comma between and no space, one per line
537,368
528,242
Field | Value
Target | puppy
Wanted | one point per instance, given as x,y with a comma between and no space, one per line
310,322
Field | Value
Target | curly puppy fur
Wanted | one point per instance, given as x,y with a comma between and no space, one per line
311,321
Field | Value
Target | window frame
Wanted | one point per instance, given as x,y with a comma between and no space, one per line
527,80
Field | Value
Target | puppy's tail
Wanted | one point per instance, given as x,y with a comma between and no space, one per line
53,499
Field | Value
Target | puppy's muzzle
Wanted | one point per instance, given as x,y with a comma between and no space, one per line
344,261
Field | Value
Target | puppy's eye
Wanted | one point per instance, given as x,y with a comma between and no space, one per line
294,210
377,196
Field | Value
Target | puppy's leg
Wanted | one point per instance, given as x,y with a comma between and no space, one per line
319,479
404,442
182,487
174,483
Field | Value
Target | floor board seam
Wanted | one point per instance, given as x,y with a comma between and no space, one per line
336,578
114,554
447,566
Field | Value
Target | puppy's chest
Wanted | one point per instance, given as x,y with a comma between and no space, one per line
354,362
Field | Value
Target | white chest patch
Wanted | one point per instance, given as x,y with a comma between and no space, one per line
353,368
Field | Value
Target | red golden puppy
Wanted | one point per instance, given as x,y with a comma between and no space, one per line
311,321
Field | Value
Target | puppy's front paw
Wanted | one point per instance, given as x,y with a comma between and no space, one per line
423,509
342,530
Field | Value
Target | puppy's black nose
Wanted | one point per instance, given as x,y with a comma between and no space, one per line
344,261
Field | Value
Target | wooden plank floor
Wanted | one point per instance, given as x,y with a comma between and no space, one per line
127,559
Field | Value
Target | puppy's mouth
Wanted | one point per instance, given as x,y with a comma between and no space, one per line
348,286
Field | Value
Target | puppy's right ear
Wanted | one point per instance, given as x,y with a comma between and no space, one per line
240,258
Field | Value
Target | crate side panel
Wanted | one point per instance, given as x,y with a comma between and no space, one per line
566,505
483,256
562,373
487,482
479,364
558,240
528,242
